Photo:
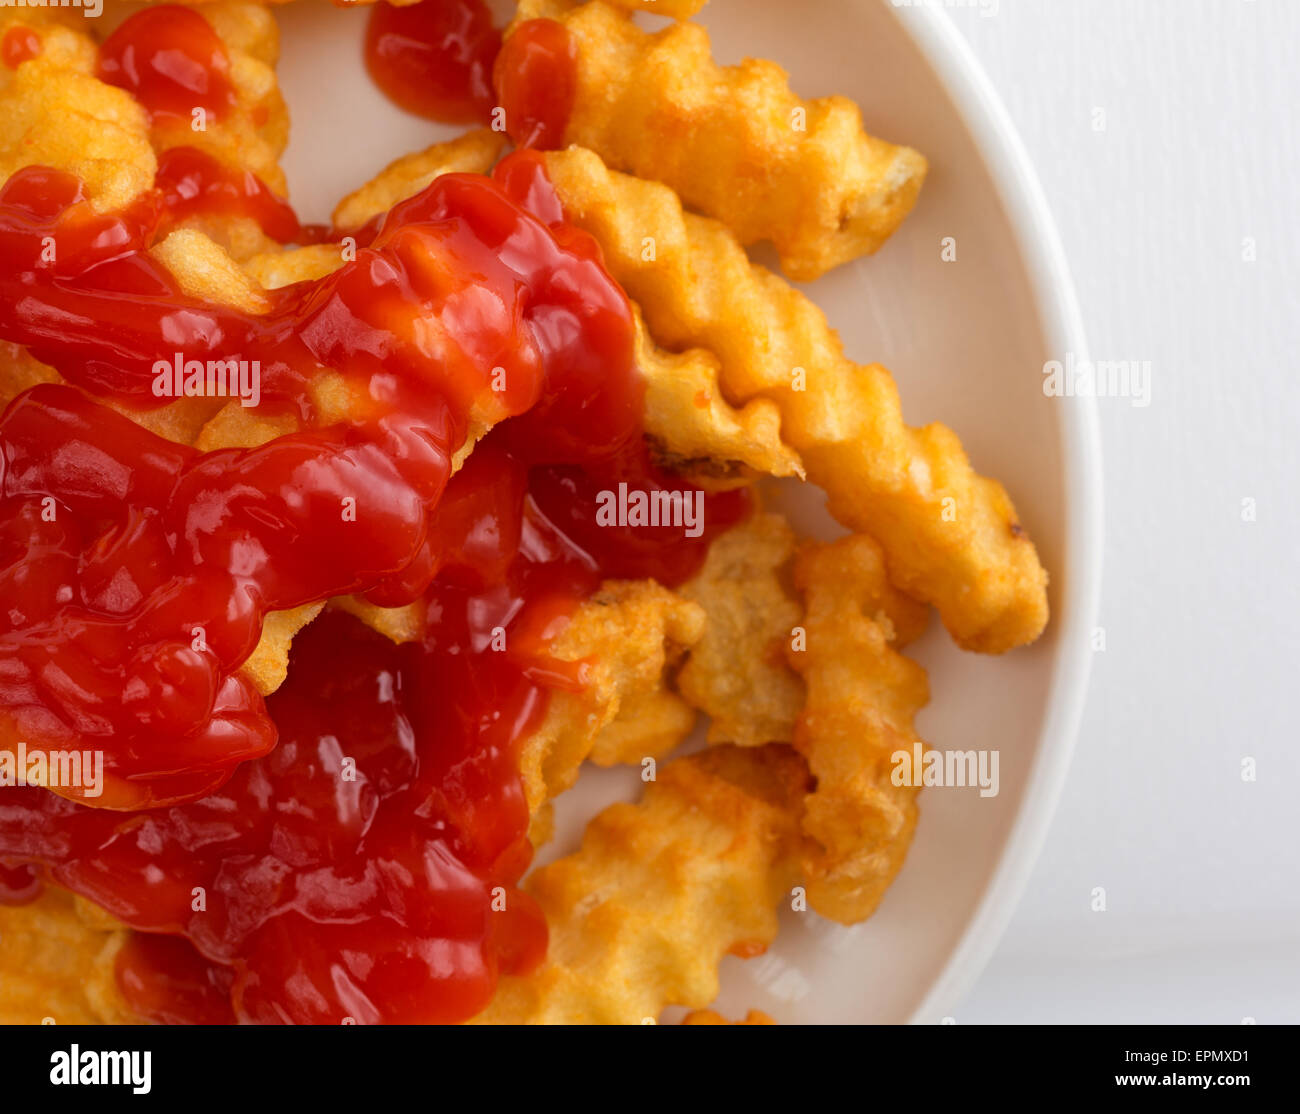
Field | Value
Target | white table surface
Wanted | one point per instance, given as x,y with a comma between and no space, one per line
1198,158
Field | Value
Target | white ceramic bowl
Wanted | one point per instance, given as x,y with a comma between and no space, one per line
967,341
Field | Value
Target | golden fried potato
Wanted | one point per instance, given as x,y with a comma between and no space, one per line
737,673
60,32
236,426
204,269
660,891
862,697
277,267
251,137
254,134
692,429
951,537
398,624
712,1017
648,725
733,141
633,633
471,153
56,961
628,633
19,371
182,421
54,112
268,665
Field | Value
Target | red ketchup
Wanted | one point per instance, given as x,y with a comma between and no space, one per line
364,868
434,58
18,45
536,80
349,848
170,60
192,183
443,59
18,884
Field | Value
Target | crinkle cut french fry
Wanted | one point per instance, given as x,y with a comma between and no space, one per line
862,697
693,431
733,141
660,891
691,427
951,536
628,632
471,153
737,673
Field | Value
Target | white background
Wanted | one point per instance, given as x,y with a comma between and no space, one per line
1197,155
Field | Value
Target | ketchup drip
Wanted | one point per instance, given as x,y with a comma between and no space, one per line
169,983
171,60
536,81
194,183
18,885
18,45
366,867
443,59
434,59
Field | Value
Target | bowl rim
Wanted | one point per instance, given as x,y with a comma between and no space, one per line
972,93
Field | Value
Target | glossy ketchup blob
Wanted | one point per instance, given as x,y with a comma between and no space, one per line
366,867
194,183
536,80
435,58
138,572
18,45
171,60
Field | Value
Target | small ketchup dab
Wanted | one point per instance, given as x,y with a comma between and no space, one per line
193,182
388,893
171,60
536,81
19,44
434,58
19,885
